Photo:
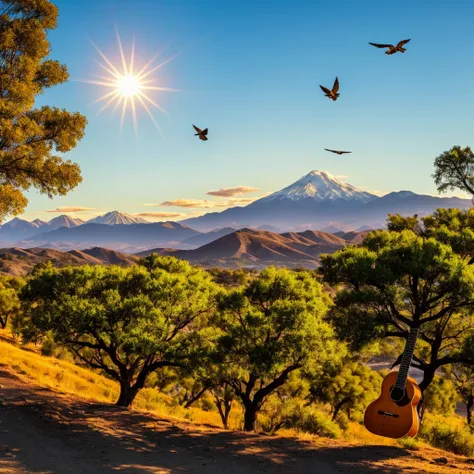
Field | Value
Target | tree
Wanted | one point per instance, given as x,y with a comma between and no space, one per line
349,385
454,169
10,306
269,329
127,322
453,227
440,397
224,397
231,278
397,280
464,382
30,137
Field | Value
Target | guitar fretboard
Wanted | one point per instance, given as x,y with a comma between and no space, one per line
407,358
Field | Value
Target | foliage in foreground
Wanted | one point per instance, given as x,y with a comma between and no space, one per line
31,138
450,436
128,322
267,330
395,280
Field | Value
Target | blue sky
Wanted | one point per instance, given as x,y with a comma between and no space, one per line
250,72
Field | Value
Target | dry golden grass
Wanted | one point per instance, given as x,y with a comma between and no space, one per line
65,377
58,375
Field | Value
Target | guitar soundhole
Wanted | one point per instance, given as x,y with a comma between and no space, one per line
399,396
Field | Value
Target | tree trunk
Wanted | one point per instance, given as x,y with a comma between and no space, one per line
338,407
428,376
127,394
469,405
421,409
250,417
224,407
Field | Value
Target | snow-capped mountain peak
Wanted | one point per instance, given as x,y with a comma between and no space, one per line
116,217
64,221
320,186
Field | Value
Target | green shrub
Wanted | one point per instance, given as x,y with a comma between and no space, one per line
452,437
279,413
48,346
342,421
207,404
411,444
317,423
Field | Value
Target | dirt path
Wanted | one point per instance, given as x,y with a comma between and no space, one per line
43,432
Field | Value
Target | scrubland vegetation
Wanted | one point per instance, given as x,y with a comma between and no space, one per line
276,351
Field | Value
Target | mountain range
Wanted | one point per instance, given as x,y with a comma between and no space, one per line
257,249
316,201
242,248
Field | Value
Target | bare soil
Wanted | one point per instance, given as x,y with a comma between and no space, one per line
45,432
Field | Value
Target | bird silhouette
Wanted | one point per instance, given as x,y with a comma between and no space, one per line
391,48
339,152
202,134
332,94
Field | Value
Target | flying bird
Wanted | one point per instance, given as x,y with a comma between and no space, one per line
332,94
201,133
339,152
391,48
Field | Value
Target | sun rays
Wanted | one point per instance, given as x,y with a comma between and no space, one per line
130,86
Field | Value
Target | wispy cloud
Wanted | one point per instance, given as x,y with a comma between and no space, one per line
71,209
229,192
205,203
160,214
342,177
194,203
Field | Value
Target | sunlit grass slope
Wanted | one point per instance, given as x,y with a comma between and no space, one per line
65,377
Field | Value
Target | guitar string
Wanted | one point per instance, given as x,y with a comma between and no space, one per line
407,358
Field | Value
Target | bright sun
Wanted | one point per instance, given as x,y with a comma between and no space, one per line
129,87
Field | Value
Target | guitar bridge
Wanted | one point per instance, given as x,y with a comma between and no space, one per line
386,413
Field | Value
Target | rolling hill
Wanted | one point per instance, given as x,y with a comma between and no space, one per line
254,248
19,262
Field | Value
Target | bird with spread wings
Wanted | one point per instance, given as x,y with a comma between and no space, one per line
332,94
201,133
338,152
391,48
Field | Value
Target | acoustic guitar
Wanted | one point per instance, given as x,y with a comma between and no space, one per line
394,414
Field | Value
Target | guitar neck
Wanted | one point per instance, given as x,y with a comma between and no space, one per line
407,358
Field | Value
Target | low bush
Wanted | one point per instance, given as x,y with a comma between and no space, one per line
448,434
314,422
411,444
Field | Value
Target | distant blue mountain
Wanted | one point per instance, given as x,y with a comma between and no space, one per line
318,201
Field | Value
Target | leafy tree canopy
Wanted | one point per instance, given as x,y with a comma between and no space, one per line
10,306
127,322
269,329
396,280
348,385
30,138
454,227
454,169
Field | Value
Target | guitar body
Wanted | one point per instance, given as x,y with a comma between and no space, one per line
384,417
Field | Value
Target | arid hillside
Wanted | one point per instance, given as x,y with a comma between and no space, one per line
258,248
19,262
44,431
